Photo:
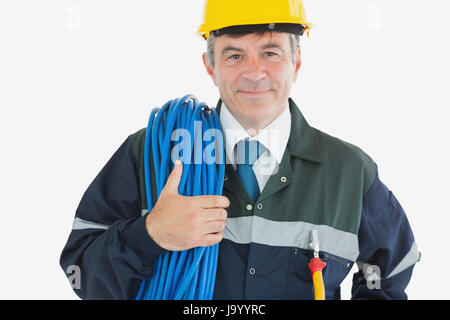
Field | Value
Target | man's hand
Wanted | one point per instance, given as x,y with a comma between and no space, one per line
178,222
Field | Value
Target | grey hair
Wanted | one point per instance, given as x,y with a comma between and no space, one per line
294,40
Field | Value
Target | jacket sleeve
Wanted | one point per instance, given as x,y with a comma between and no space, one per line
387,248
109,245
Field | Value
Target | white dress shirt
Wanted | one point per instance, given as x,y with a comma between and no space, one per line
274,137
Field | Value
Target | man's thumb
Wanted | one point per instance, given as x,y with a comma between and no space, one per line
174,178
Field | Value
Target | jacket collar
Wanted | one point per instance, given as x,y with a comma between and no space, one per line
303,141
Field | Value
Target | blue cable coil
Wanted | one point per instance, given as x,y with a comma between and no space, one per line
189,274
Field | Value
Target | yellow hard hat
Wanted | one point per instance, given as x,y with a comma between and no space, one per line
257,15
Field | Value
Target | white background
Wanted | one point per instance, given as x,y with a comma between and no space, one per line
77,77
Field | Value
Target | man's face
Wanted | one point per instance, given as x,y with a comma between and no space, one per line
254,74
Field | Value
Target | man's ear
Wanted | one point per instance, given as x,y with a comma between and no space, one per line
209,69
298,62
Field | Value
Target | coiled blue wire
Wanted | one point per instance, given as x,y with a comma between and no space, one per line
188,274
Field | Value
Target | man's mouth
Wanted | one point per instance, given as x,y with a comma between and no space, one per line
254,92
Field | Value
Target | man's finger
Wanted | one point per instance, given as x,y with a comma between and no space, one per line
174,178
211,239
214,227
216,214
211,201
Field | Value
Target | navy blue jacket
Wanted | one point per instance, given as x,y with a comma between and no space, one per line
323,183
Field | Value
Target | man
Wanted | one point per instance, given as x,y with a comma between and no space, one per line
304,181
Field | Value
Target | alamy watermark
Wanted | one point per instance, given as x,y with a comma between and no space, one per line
74,276
372,274
373,21
186,148
73,17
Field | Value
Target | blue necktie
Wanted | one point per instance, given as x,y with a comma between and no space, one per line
247,153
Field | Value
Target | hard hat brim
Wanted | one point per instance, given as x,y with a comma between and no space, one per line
294,28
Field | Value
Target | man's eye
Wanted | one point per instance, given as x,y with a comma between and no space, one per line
270,54
235,57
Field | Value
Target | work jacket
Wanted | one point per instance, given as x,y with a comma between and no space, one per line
322,183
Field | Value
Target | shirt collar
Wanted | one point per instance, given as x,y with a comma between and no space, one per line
274,136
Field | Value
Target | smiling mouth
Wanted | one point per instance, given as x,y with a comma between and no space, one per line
255,93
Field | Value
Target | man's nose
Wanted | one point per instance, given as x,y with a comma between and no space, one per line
254,69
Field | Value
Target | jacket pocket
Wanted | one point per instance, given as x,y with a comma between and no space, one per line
299,282
334,274
300,285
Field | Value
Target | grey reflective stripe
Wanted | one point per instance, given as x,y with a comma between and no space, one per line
291,234
238,229
411,258
80,224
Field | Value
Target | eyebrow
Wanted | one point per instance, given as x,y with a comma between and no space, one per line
272,46
264,47
230,48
